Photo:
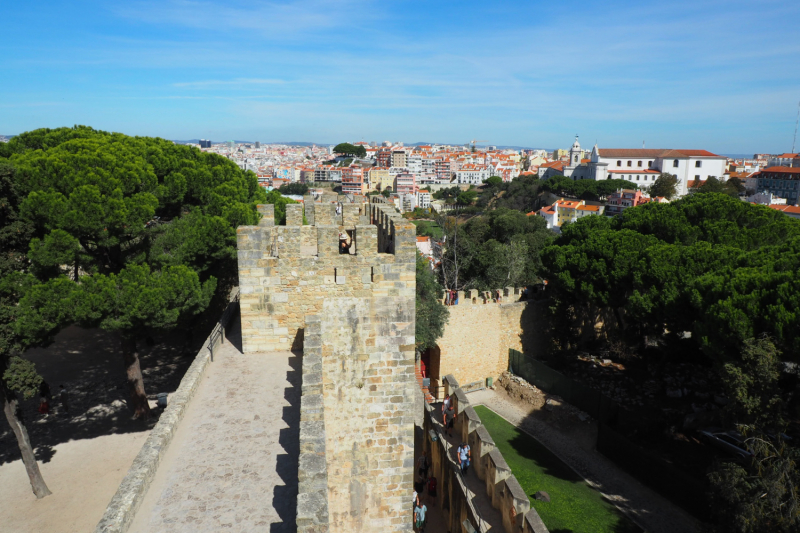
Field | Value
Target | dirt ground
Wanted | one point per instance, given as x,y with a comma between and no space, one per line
83,454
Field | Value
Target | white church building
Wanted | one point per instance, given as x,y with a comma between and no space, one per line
642,165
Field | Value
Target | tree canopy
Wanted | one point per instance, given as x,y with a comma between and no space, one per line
666,185
127,233
431,315
710,264
499,249
584,189
293,188
349,149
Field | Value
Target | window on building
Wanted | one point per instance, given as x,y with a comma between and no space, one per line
649,164
698,164
697,176
630,163
675,163
637,178
639,164
619,163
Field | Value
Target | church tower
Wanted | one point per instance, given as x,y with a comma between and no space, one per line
575,153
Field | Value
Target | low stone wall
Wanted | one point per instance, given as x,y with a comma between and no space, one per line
129,496
312,487
502,488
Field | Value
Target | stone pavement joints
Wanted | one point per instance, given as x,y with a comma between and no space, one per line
233,463
650,510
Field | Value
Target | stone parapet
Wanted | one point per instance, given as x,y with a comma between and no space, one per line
476,297
285,272
312,483
502,488
121,511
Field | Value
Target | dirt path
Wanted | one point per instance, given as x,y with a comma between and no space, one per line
651,511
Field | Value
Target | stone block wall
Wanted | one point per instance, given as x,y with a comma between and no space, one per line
286,272
478,334
501,487
368,386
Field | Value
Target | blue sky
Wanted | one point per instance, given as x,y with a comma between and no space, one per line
721,76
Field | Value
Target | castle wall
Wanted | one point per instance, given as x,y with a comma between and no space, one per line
479,333
286,272
368,386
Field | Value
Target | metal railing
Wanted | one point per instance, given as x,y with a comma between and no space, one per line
218,333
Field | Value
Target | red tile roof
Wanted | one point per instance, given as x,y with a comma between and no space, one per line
783,170
652,152
786,208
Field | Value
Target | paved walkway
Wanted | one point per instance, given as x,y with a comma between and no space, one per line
232,465
651,511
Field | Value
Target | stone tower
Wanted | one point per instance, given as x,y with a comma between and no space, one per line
352,314
575,153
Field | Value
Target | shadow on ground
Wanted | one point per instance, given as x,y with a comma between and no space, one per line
284,499
88,363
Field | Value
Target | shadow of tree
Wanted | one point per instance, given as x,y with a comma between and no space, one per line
88,363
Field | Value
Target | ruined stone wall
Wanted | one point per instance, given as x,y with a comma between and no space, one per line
286,272
479,333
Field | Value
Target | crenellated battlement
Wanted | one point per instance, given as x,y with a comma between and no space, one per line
286,271
476,297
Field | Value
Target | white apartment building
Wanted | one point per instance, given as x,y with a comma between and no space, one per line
472,174
423,199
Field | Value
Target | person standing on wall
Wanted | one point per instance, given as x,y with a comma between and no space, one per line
464,456
445,406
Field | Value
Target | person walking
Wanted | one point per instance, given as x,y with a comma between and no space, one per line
44,398
449,417
419,517
464,456
445,406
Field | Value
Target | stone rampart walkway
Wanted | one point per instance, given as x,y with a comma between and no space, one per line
232,465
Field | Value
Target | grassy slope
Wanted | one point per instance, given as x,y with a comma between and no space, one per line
574,506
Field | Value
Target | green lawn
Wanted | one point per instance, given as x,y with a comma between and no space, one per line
574,506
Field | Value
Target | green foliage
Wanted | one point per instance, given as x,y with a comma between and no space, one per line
431,315
22,378
493,181
500,249
386,192
447,193
574,505
349,149
114,210
666,185
584,189
137,299
761,497
710,264
467,197
522,194
712,184
293,188
752,384
280,201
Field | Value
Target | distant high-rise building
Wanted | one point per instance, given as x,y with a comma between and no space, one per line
231,144
204,143
258,144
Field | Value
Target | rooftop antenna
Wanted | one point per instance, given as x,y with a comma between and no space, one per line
795,126
642,145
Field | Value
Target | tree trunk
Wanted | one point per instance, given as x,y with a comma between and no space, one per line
13,413
134,372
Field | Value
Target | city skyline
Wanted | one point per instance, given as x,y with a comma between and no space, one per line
685,75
